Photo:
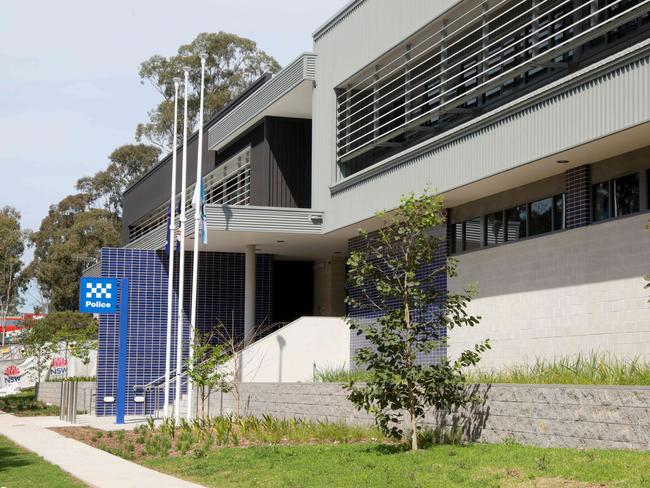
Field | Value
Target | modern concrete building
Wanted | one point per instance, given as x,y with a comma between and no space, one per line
531,117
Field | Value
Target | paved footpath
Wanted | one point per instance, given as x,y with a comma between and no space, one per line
93,466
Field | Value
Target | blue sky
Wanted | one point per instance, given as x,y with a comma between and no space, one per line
69,86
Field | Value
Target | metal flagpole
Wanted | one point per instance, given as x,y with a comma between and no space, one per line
181,262
197,232
172,249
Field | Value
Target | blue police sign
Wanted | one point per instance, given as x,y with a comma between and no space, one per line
98,295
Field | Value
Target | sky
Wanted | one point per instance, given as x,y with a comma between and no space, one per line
69,86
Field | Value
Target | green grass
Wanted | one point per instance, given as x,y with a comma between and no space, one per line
588,369
23,469
24,404
377,465
583,369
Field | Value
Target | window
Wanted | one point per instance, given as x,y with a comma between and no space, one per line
626,195
494,229
516,222
558,212
541,217
616,198
472,237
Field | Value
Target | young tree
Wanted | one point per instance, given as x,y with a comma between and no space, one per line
76,331
394,279
233,63
37,340
13,279
208,369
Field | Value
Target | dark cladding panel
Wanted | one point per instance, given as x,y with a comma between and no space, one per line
289,179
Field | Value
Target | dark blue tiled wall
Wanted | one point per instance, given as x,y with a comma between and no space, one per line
220,301
368,315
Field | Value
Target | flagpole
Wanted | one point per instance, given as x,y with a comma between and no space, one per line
181,262
172,251
198,192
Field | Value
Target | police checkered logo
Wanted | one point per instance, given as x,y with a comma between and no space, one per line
99,291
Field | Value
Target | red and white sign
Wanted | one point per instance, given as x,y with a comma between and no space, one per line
12,374
59,366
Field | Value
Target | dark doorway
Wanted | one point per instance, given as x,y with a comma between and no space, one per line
293,290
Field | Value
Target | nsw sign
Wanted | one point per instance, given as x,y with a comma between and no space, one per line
98,295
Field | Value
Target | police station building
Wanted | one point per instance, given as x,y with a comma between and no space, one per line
531,117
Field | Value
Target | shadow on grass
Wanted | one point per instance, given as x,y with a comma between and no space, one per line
13,458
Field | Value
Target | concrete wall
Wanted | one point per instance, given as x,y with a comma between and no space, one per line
548,416
561,294
50,393
289,354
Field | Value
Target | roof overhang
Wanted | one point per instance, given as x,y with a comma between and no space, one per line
287,94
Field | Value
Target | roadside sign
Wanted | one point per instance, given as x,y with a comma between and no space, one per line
98,295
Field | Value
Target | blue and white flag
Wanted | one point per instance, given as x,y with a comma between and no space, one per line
199,201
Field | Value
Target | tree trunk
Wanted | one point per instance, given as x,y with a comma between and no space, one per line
414,432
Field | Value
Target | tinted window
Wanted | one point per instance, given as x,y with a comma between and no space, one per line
494,228
516,223
457,231
558,212
626,195
601,201
473,234
541,216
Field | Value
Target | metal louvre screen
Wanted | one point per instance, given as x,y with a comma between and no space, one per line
229,184
482,55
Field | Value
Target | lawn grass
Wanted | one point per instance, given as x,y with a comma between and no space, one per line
378,465
23,469
24,404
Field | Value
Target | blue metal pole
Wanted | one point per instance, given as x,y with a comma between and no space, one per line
122,353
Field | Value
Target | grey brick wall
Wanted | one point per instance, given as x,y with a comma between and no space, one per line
548,416
50,393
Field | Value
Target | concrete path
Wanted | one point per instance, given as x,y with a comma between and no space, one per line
95,467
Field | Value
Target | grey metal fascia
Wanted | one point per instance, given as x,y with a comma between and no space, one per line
337,18
601,68
94,271
301,69
154,240
261,219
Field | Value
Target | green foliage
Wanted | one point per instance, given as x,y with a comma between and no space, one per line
37,340
582,369
127,164
13,279
391,282
340,375
77,331
233,63
69,238
207,367
24,404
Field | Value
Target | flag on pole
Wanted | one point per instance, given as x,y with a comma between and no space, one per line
177,231
198,202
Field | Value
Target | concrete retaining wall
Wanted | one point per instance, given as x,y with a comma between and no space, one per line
548,416
50,393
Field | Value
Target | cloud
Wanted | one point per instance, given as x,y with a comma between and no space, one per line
85,91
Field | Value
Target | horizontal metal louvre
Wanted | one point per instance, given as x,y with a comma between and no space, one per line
454,67
229,184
